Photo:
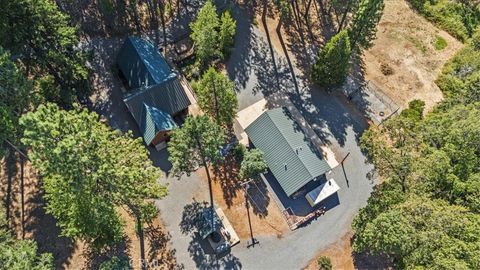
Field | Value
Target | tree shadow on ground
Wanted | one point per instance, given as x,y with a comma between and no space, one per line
160,252
95,258
370,261
46,233
258,198
199,249
227,175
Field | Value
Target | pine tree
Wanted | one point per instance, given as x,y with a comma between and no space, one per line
205,34
196,143
226,33
89,170
41,36
333,61
216,97
364,23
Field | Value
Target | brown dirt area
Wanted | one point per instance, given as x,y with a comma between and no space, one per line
339,252
405,44
343,258
69,254
267,221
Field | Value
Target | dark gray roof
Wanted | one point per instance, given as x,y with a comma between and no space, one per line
142,64
291,157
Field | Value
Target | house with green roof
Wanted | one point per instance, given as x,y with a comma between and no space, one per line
291,157
156,96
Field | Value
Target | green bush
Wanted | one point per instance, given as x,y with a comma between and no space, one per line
459,77
414,110
454,17
440,43
239,152
476,39
324,263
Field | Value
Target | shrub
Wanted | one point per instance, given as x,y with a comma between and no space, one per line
324,263
239,152
452,16
476,39
415,110
440,43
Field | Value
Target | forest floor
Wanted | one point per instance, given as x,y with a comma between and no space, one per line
263,214
68,254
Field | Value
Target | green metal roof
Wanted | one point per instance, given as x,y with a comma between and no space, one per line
168,97
142,64
290,155
153,121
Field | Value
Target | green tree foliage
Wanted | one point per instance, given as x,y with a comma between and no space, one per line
88,172
226,33
364,23
476,39
20,254
253,164
213,36
324,263
15,93
457,17
426,212
216,97
333,62
459,80
116,263
424,233
414,111
40,34
205,33
196,143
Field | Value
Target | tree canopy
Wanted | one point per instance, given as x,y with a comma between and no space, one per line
20,254
196,143
15,94
40,35
426,212
226,32
217,97
213,36
333,62
88,171
364,23
253,164
205,34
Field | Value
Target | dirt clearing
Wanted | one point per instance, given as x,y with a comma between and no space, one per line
407,55
265,217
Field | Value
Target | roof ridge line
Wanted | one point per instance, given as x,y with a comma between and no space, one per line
291,147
